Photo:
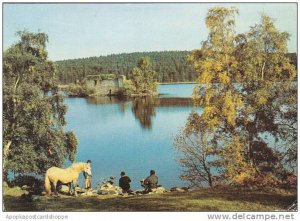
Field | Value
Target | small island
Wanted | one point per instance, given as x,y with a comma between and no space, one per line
142,82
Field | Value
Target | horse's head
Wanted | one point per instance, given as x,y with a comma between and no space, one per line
86,167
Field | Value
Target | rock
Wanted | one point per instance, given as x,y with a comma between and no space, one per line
113,192
31,198
25,187
159,190
80,190
139,192
102,192
179,189
88,193
109,189
36,197
108,192
107,186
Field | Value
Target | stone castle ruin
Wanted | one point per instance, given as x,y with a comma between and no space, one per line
105,86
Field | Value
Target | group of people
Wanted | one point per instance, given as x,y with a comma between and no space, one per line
149,183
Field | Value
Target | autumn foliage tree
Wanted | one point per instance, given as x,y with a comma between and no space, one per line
247,96
33,111
269,96
197,151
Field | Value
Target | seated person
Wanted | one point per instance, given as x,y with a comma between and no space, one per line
150,182
124,183
111,180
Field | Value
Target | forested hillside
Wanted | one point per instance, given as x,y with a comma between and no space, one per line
170,66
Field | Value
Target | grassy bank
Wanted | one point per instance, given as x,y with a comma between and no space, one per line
202,200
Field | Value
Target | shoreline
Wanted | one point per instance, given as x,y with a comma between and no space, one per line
63,86
164,83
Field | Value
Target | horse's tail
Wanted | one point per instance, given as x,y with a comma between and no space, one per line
47,184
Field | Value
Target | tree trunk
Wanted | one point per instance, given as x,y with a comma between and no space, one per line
262,71
6,149
5,155
207,170
210,180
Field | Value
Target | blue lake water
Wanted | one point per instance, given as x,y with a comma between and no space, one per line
134,136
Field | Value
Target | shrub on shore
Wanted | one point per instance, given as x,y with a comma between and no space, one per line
75,90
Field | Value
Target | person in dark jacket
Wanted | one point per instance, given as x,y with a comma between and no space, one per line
151,181
124,183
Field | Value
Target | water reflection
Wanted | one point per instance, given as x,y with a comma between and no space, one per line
122,103
133,135
104,100
143,108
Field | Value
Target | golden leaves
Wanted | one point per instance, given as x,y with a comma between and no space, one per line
211,117
229,108
237,168
224,78
206,77
262,96
230,103
218,66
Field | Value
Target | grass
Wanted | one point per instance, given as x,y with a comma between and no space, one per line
14,192
203,200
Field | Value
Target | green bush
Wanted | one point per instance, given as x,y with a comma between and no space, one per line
76,90
128,88
108,76
27,180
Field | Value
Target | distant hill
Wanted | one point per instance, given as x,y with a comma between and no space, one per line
171,66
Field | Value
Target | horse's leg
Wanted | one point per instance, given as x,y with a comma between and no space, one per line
70,188
55,187
74,183
52,189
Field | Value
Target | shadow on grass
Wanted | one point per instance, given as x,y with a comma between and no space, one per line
17,203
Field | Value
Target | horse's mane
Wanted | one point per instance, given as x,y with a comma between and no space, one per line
74,165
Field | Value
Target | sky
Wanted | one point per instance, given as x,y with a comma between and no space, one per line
86,30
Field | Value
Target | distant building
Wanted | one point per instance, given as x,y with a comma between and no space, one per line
105,86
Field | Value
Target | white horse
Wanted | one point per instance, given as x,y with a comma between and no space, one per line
66,176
